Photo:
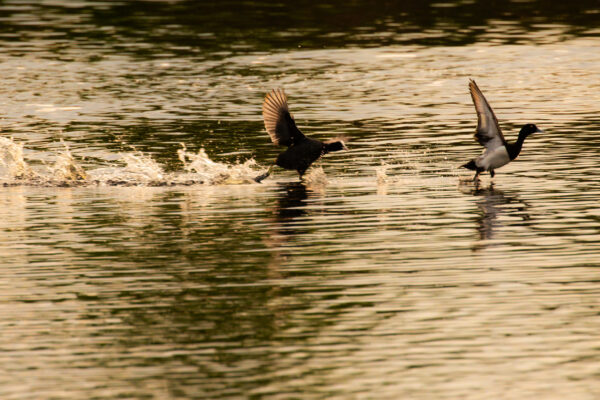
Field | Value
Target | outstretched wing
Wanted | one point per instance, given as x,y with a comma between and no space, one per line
488,132
279,123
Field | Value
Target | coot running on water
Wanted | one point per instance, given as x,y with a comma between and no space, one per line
301,151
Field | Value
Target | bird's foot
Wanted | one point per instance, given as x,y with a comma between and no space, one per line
264,176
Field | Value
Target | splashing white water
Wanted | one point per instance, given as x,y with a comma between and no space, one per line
66,169
143,167
13,165
139,169
202,168
316,177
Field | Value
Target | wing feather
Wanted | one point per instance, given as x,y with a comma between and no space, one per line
488,132
279,123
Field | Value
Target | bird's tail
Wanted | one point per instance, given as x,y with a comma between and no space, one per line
470,165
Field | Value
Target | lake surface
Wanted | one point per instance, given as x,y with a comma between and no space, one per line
138,260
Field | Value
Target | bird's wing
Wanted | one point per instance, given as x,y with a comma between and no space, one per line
488,132
279,123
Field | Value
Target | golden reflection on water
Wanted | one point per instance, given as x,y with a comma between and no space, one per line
347,289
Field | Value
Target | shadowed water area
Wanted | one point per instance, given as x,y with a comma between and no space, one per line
139,260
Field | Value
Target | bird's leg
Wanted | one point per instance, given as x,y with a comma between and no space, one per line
492,173
301,173
476,177
261,177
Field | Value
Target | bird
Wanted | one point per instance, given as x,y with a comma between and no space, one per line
497,151
301,151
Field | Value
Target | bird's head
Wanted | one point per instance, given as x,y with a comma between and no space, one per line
529,129
336,144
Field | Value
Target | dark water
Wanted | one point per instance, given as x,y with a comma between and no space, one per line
127,273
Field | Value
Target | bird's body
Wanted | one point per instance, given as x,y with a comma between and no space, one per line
493,159
497,151
302,151
301,155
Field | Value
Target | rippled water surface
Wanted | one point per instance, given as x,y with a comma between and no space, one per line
139,260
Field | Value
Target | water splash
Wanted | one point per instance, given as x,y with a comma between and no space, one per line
66,170
15,170
316,177
143,167
133,169
198,169
12,163
201,167
140,170
381,173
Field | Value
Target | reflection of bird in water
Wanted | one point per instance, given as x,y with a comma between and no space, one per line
290,205
493,204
